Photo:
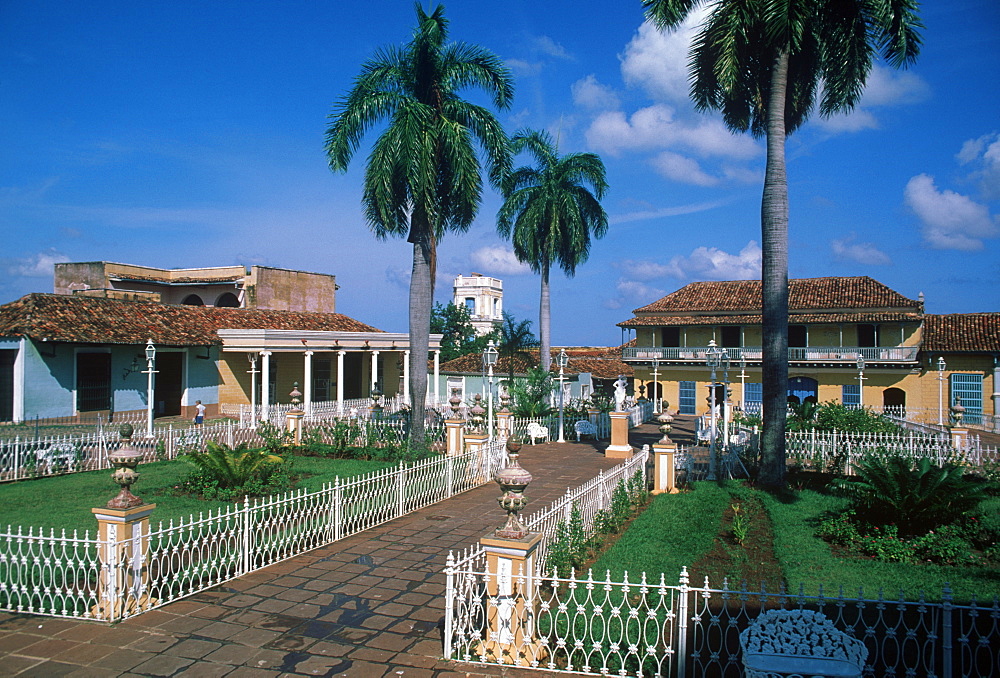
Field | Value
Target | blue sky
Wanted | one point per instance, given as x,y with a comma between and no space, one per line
180,134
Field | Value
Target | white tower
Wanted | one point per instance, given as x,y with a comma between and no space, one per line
483,297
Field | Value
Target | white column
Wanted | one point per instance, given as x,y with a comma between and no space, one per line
265,383
307,386
437,378
19,381
995,396
340,381
406,377
374,371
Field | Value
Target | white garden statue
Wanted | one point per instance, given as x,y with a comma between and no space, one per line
620,385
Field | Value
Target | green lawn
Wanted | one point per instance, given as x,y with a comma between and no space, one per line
673,531
65,501
678,530
809,560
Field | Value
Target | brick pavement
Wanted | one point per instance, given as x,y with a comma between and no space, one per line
370,605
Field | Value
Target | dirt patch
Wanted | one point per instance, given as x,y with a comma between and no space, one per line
749,563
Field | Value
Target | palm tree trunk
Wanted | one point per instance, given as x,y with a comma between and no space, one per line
420,328
545,321
774,283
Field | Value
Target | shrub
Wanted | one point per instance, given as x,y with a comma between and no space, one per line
224,472
916,496
834,416
531,395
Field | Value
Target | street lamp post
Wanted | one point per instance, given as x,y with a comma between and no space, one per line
713,356
490,355
861,381
725,399
253,372
941,367
150,362
562,360
656,383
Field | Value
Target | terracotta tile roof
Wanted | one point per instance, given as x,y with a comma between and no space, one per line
81,319
962,332
794,318
803,294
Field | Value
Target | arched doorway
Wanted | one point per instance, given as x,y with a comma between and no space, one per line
193,300
803,390
894,401
228,300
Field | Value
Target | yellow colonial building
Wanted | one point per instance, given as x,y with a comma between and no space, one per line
850,339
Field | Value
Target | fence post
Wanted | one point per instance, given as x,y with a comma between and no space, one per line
400,489
229,433
17,457
171,447
946,632
247,536
449,601
338,502
450,474
682,622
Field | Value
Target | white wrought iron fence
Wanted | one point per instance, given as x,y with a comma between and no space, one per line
118,577
644,626
21,459
836,450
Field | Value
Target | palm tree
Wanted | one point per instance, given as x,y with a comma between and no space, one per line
549,214
515,338
423,176
762,63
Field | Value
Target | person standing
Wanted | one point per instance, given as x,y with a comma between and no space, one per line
199,416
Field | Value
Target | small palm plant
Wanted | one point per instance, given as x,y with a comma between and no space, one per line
231,468
916,496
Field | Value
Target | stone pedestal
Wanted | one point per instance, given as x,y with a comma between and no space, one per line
664,473
123,582
959,437
512,606
293,424
454,435
505,424
475,441
619,447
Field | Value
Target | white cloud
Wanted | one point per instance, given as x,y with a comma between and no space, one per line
499,260
949,220
41,265
683,169
523,68
643,269
853,121
657,127
889,87
983,154
590,94
549,47
658,61
647,214
845,249
632,293
711,263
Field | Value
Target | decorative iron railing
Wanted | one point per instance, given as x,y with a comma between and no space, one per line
67,576
644,626
754,354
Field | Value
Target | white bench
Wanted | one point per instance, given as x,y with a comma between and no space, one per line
799,643
538,431
584,428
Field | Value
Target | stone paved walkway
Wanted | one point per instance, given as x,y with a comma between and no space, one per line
370,605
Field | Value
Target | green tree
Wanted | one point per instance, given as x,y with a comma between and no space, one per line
549,213
423,176
516,337
761,64
459,337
